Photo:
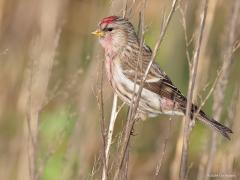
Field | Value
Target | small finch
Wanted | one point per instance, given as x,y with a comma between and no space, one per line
159,94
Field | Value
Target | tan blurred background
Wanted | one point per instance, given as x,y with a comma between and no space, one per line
50,68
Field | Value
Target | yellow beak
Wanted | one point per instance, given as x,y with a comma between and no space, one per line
98,33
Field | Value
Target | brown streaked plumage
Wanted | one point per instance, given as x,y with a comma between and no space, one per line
123,64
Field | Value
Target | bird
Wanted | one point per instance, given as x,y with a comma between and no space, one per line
125,72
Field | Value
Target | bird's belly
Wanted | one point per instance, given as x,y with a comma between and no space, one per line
149,101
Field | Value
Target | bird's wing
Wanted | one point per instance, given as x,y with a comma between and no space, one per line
157,81
165,88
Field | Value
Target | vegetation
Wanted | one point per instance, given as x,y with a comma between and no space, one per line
56,104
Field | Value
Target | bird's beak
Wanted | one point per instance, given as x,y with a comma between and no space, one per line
98,33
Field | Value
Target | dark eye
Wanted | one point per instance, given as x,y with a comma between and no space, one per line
107,29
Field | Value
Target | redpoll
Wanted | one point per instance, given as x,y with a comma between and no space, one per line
159,94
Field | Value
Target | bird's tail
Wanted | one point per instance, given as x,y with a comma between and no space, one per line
225,131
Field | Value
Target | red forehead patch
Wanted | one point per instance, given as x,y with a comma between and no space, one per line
108,20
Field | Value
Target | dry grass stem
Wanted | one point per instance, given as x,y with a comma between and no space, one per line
188,124
159,165
110,133
160,162
209,92
222,83
60,118
131,116
125,8
236,46
204,56
42,54
187,41
133,109
102,123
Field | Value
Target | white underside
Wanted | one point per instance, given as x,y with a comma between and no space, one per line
149,103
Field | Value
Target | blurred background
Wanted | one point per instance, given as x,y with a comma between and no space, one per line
50,71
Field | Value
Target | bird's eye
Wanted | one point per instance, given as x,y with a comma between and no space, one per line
107,29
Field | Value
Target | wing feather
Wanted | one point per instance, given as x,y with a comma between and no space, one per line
157,81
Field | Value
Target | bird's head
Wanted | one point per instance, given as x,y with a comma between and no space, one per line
114,32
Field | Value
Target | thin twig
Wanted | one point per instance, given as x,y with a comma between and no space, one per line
102,122
160,162
236,46
133,110
125,8
109,135
188,124
209,93
131,117
139,24
159,165
187,41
